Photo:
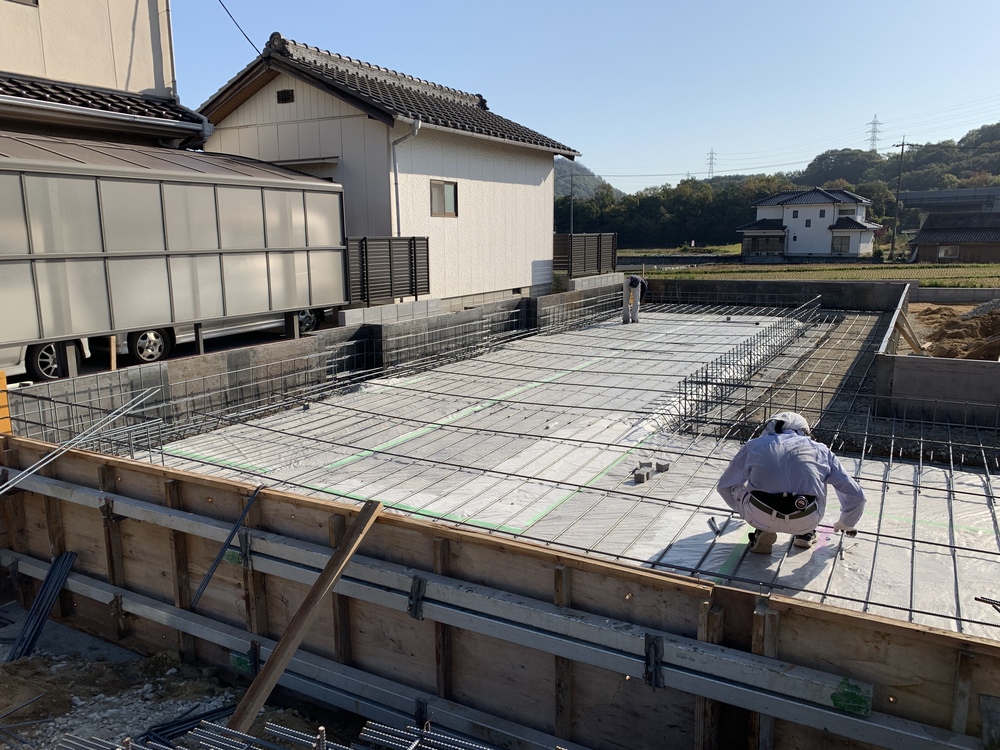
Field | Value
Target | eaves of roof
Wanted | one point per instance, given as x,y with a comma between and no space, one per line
40,100
383,94
956,236
845,223
763,225
813,196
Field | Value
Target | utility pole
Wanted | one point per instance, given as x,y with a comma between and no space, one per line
711,163
899,178
572,196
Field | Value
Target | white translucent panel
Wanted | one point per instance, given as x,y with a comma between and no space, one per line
326,268
133,216
140,295
289,280
73,296
246,283
286,218
62,214
190,217
196,283
13,230
323,219
241,218
19,320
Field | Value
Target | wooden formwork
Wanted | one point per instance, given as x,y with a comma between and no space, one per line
513,644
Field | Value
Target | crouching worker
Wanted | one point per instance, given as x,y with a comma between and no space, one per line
777,483
633,292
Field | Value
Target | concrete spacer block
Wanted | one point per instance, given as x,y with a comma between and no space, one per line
663,466
642,475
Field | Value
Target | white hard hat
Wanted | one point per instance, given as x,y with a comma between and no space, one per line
789,420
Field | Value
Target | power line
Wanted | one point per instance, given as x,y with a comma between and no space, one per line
255,50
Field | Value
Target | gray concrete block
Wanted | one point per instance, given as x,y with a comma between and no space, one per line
663,466
642,475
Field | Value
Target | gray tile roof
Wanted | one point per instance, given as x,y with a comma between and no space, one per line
849,222
763,225
963,227
393,94
811,197
98,99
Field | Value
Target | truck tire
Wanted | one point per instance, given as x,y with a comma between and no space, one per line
309,320
42,361
150,345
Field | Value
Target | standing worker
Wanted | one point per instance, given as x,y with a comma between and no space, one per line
634,288
777,482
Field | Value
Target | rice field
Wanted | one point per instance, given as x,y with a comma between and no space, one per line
973,275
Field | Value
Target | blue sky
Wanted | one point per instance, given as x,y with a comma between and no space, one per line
647,89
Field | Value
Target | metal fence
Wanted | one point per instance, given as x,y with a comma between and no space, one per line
584,254
388,268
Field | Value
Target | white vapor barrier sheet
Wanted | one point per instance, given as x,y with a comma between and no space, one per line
539,440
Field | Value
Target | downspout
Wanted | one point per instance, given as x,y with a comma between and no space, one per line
170,52
414,129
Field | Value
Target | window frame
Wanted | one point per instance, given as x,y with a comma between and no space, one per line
809,222
795,213
840,240
822,213
442,186
847,212
944,252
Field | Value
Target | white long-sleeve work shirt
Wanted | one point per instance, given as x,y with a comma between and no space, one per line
789,462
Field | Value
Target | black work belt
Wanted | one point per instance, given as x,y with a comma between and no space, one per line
786,505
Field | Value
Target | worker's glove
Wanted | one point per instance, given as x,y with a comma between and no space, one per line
848,530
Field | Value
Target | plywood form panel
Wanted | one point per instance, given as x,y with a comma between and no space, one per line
627,714
510,681
393,645
85,536
146,559
36,527
223,597
283,600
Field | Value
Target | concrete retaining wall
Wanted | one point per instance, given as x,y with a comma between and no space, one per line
593,282
960,391
837,295
952,295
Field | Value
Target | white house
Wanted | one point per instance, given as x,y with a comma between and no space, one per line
816,222
415,159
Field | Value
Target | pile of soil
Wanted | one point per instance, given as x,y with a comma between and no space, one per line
946,332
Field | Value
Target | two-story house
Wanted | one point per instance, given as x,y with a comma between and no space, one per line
819,223
415,158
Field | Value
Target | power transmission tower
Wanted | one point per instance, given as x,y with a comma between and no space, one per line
873,134
711,163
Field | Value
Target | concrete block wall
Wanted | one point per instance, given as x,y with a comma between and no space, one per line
593,282
390,313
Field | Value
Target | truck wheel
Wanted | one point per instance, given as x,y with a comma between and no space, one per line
42,361
309,320
149,346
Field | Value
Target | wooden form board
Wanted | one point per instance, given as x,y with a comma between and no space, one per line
497,663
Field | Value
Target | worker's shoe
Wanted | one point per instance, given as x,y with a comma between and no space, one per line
762,541
805,540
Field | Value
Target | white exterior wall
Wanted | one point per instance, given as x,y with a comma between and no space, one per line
502,236
770,212
811,240
322,127
117,44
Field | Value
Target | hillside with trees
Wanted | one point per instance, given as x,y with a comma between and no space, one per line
708,211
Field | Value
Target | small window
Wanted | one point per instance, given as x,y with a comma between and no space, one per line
795,214
809,222
444,198
286,96
841,245
845,212
948,251
822,213
795,238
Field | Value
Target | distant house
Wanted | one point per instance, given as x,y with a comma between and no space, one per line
415,159
816,222
958,238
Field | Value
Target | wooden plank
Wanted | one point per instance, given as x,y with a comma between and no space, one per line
442,632
905,327
963,692
254,584
112,529
989,709
563,597
179,569
13,508
57,541
707,713
341,604
264,683
765,643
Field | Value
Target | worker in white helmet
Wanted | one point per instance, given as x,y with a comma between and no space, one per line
777,483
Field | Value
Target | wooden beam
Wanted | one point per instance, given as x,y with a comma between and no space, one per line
765,643
57,541
563,597
707,712
179,568
442,632
253,700
341,603
107,480
905,327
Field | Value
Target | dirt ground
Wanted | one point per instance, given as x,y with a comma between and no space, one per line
943,331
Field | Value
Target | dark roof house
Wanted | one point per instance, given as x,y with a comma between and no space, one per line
959,237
